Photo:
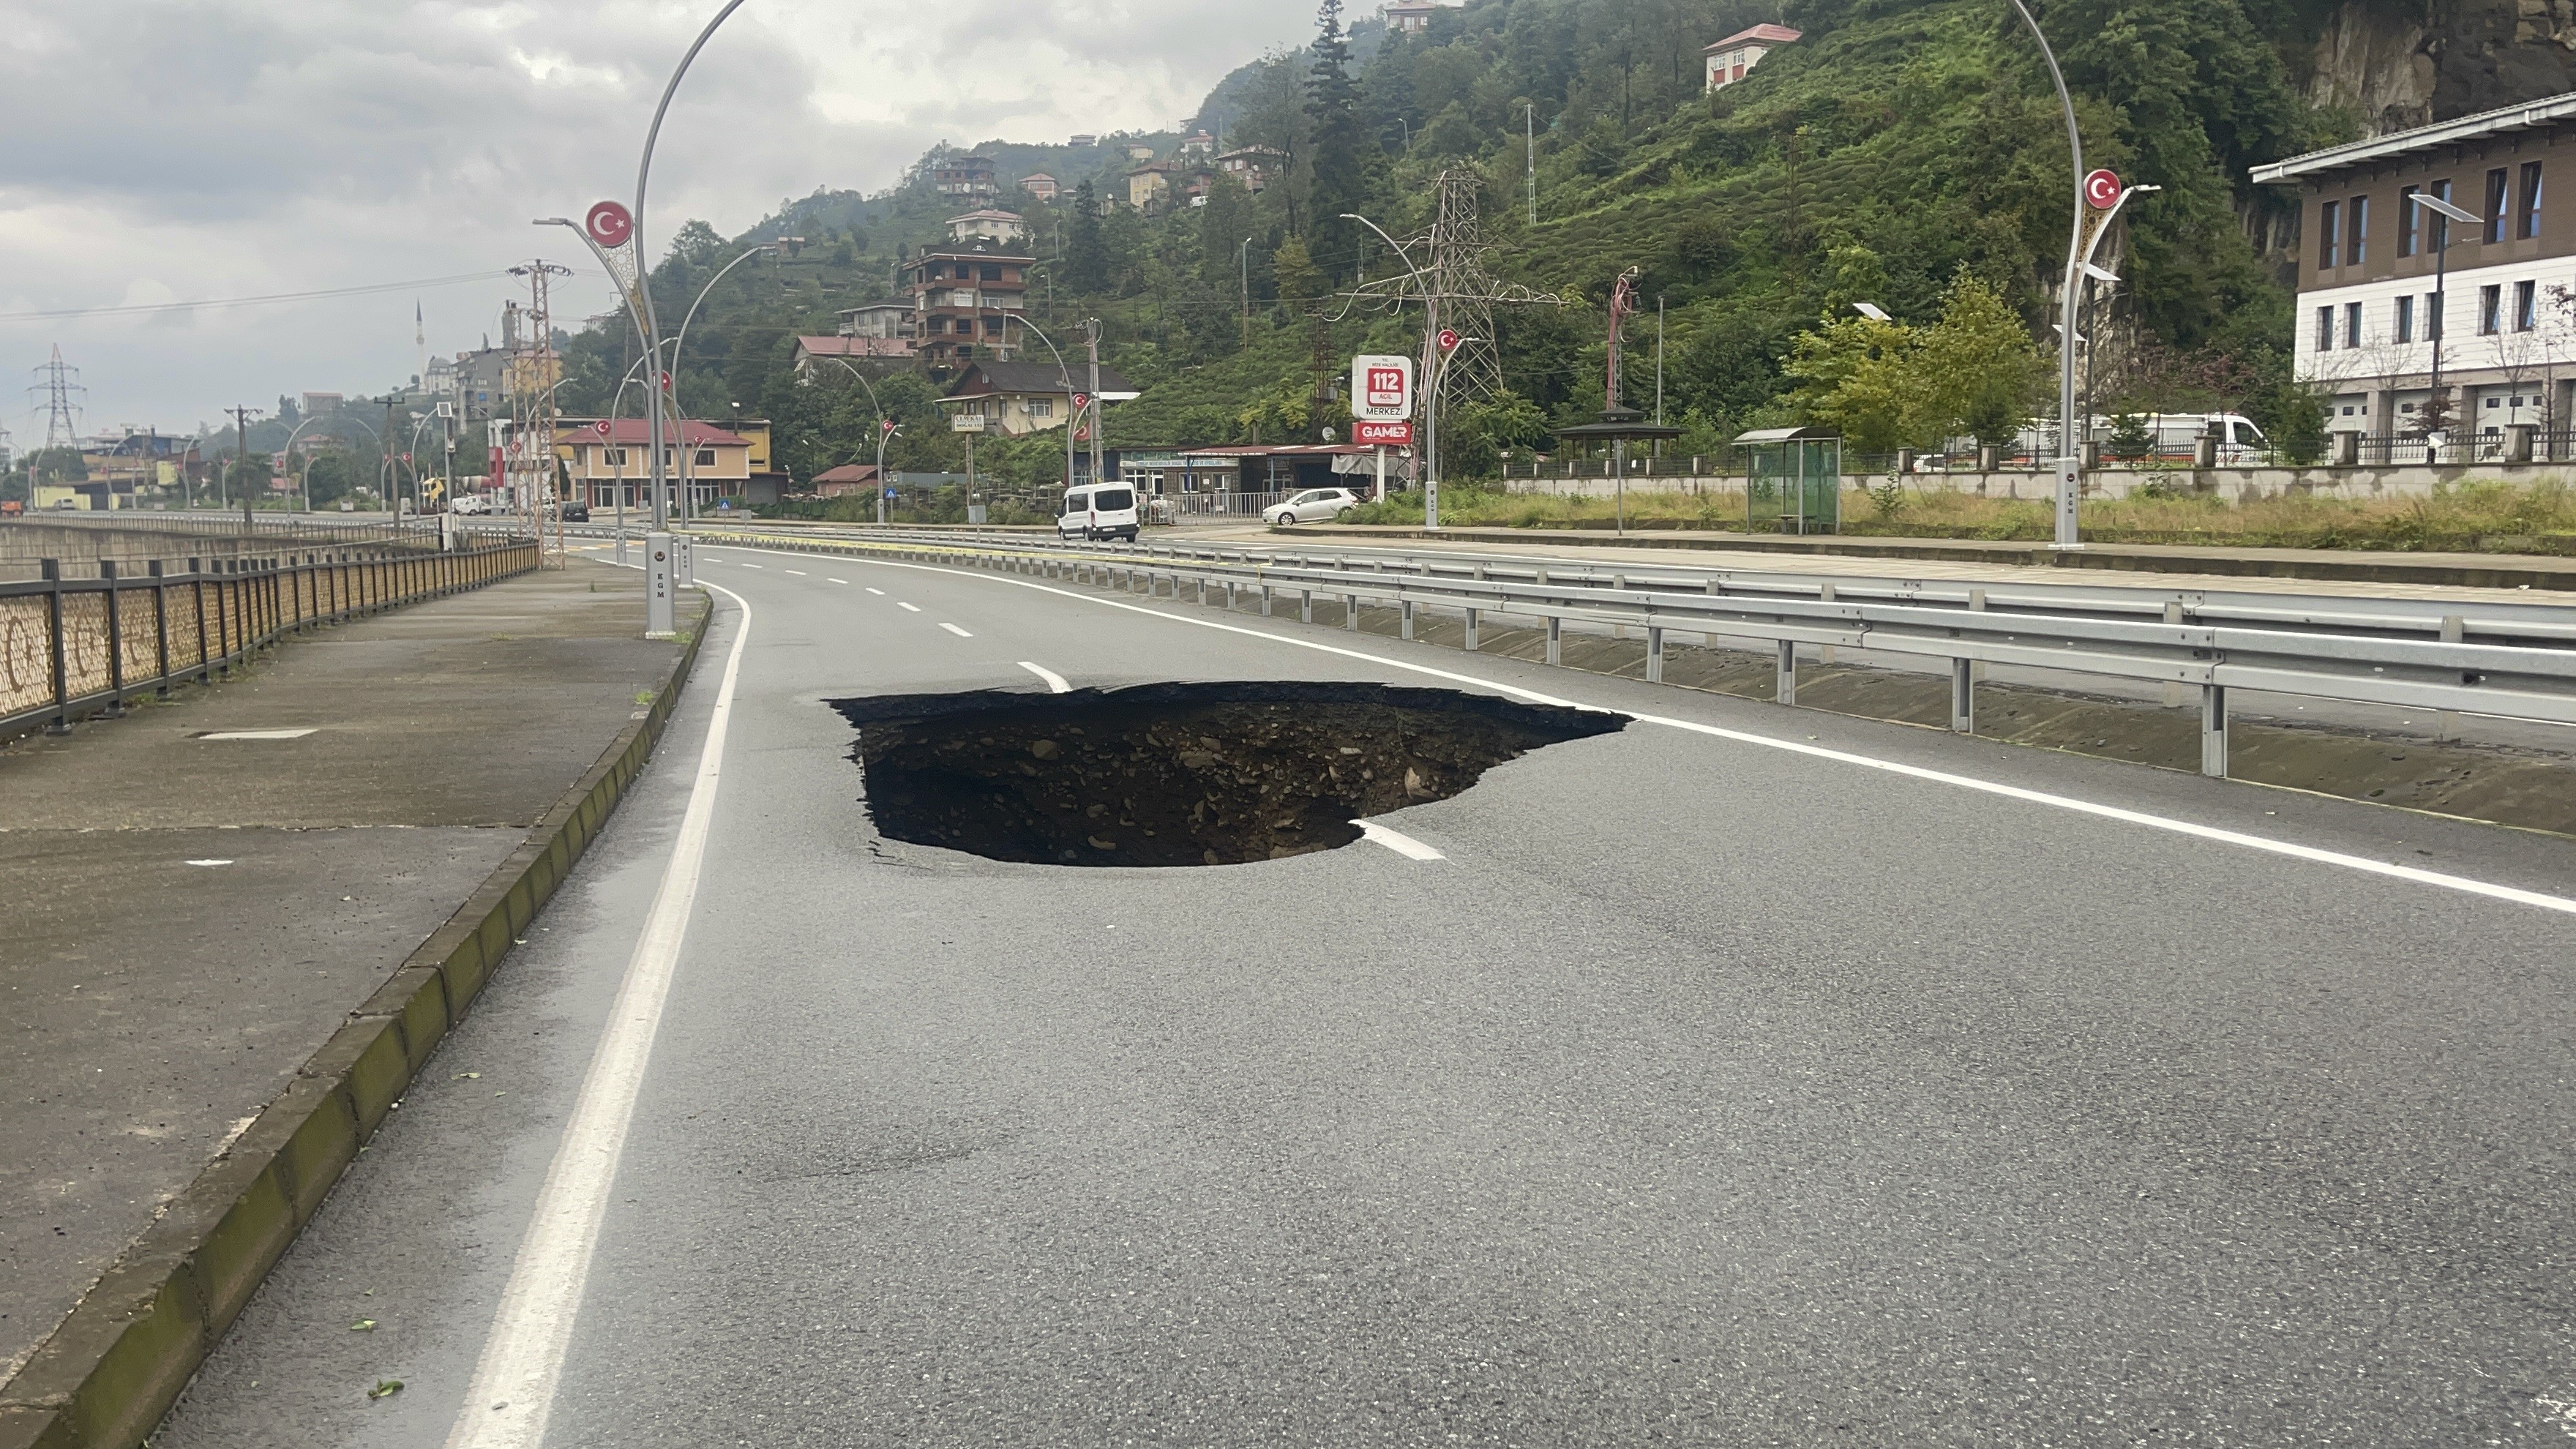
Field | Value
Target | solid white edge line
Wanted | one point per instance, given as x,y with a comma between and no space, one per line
1397,841
513,1389
953,629
1055,682
2364,864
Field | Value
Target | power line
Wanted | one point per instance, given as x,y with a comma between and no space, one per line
271,299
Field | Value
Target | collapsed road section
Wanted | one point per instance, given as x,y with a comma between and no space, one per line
1180,774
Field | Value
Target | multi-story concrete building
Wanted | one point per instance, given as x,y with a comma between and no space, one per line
2385,282
965,298
1004,228
1040,184
1254,166
1732,59
601,456
968,178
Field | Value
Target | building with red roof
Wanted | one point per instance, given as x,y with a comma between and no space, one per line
1733,58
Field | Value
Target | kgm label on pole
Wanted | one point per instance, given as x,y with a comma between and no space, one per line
1381,389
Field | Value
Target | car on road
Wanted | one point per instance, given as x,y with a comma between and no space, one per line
1312,506
468,504
576,513
1102,510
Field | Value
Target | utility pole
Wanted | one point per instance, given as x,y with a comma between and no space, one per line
241,459
1091,345
1243,264
1529,149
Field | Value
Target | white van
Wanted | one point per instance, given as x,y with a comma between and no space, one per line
1099,510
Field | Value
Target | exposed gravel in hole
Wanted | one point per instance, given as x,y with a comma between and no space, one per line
1180,774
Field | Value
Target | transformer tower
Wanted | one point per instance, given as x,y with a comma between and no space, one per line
528,458
1464,294
62,430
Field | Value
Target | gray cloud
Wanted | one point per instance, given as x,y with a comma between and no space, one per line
225,148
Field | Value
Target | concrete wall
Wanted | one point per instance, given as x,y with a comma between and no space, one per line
2236,485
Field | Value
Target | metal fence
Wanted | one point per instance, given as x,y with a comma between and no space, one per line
1228,507
76,647
300,528
2510,660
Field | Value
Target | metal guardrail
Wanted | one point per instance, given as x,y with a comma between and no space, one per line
2507,659
76,647
299,528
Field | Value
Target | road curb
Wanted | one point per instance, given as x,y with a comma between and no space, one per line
108,1372
2500,571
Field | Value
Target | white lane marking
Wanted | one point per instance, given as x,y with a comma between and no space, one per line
513,1389
880,593
751,566
2467,885
210,862
800,573
829,579
1055,682
913,608
953,629
255,734
1397,841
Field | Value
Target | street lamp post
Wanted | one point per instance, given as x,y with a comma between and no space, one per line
680,349
2070,458
2441,318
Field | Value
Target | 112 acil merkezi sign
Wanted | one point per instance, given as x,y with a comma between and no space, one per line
1382,399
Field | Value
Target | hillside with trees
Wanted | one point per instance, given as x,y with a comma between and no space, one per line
1906,153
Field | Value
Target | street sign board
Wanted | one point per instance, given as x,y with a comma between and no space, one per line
1381,388
609,224
2102,190
966,423
1383,435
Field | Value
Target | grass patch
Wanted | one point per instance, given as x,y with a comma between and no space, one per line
2470,517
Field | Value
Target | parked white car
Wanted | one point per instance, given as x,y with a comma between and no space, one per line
1312,506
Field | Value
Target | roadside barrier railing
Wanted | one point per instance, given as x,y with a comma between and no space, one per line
301,528
71,648
2506,659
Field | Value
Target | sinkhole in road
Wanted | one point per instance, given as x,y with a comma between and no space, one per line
1180,774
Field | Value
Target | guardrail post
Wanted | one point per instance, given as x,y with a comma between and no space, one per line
115,642
1229,596
1471,629
1202,583
1305,606
51,570
1654,654
1555,639
2446,722
1785,691
1825,595
1351,612
1265,601
1963,697
1408,618
2213,731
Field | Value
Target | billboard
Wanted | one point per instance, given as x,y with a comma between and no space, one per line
1381,388
1384,435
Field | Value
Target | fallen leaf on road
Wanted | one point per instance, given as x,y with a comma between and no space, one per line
363,1325
385,1389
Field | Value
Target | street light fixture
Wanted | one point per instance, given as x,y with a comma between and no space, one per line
2441,298
679,350
1872,311
2070,459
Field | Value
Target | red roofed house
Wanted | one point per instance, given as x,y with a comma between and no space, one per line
600,455
811,352
1731,59
848,478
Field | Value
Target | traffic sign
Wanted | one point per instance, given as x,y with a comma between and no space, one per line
610,225
1383,435
1081,400
966,423
1381,388
2102,190
1448,340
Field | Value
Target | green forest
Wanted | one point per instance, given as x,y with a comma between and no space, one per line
1906,153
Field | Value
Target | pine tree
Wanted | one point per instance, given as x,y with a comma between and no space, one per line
1347,164
1086,253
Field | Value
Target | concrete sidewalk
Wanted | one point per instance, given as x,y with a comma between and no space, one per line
190,918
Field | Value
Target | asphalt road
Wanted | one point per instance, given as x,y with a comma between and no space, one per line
1706,1092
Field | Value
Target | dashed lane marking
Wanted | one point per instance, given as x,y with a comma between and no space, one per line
908,608
953,629
1055,682
1397,841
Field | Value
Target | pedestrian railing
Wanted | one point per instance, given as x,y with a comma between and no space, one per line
2511,660
70,648
302,529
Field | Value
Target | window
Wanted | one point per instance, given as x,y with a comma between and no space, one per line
2410,222
2441,191
2497,207
706,458
2352,324
992,274
2325,328
614,457
993,326
2490,310
1041,407
2329,234
2405,319
2357,240
2529,207
2526,306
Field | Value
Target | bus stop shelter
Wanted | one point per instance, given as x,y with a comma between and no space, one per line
1793,480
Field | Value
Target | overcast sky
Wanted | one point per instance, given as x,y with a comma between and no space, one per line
190,150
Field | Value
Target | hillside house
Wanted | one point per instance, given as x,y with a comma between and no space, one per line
876,319
1413,17
1254,166
1041,184
1732,59
814,353
965,298
1004,228
967,178
602,456
1018,398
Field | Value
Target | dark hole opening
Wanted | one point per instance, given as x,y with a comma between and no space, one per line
1180,774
